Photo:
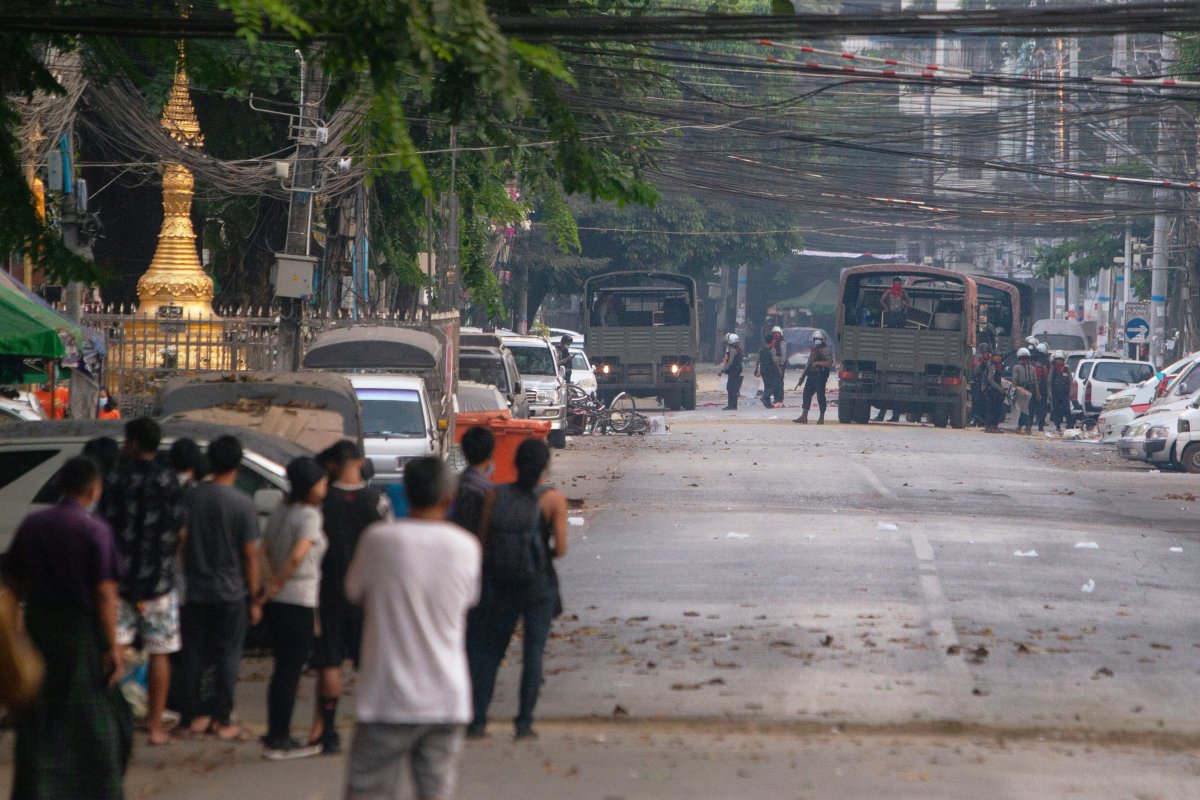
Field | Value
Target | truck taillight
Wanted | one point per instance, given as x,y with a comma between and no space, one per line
1074,391
951,381
1087,393
845,375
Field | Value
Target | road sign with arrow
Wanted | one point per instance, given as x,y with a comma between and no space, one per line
1137,327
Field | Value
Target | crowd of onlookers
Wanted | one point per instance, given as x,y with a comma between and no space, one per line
166,555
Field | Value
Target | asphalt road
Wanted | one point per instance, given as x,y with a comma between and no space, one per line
758,608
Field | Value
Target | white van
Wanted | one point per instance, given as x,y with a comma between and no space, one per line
397,422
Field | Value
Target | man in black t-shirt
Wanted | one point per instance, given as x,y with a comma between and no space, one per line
350,507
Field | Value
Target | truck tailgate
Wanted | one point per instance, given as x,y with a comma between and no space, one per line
902,349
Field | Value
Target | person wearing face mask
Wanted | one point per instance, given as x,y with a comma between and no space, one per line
350,507
106,407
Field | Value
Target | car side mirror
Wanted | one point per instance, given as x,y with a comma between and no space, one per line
267,500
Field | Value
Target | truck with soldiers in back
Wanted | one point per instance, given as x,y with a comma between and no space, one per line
906,337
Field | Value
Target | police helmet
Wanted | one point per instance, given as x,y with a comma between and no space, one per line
1060,354
1043,348
819,337
777,329
1023,352
732,339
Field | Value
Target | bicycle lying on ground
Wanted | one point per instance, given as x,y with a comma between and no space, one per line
588,415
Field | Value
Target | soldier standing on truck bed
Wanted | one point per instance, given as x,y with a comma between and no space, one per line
895,305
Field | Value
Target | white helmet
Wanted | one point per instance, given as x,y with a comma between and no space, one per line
777,329
818,337
732,339
1043,348
1023,352
1060,354
1031,341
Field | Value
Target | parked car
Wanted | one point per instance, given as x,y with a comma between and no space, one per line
31,455
798,343
1124,406
1096,378
578,339
416,359
1151,437
496,367
397,422
543,382
1185,451
18,411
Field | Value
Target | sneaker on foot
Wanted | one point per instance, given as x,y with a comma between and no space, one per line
525,733
476,731
288,749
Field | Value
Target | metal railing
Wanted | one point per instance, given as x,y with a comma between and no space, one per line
145,351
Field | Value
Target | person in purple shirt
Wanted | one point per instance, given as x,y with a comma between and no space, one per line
75,739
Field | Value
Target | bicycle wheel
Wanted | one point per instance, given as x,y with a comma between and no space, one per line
621,413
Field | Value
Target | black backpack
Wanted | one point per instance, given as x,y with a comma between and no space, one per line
516,548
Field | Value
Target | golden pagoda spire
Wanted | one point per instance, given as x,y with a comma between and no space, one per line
175,277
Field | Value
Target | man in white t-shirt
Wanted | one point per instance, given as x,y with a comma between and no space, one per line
415,578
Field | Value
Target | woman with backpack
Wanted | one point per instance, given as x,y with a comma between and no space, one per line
523,528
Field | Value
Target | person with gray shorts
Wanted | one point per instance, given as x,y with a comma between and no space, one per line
416,578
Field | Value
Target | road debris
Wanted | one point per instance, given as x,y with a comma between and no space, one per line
1086,546
1088,587
1025,553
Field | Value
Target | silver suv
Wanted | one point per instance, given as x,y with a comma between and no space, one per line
542,378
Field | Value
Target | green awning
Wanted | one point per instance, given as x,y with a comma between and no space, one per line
821,299
29,331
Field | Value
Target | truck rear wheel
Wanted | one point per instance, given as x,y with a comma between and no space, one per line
689,398
845,411
673,400
557,440
958,414
862,412
940,414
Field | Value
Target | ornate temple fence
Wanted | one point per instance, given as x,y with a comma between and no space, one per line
145,351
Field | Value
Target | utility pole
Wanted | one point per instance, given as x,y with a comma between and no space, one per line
1159,279
308,132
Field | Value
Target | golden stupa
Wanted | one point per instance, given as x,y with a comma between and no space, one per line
176,284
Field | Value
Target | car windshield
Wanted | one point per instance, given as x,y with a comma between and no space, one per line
533,359
798,340
579,362
1121,372
1188,383
1062,341
391,412
481,369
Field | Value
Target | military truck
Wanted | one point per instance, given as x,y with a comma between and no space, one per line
643,335
919,363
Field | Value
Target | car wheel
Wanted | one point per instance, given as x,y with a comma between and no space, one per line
845,412
1190,460
557,440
